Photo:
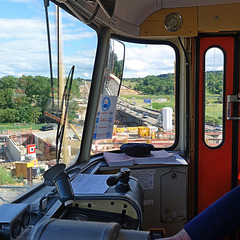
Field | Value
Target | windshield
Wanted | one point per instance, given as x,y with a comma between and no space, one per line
145,109
31,99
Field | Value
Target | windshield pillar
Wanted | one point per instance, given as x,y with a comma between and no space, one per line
97,81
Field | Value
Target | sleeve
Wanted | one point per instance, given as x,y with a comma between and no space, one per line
218,220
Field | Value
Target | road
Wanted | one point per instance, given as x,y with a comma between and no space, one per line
51,134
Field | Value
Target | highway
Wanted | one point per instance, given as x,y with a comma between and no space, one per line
137,111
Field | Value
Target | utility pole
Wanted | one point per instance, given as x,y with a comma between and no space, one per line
61,81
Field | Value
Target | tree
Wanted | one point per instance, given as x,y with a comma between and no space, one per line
75,92
162,84
23,99
8,82
8,115
37,89
34,114
214,81
7,86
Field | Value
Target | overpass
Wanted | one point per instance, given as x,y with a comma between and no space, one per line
131,119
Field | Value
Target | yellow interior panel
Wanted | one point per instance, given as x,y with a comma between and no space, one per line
154,24
196,20
219,18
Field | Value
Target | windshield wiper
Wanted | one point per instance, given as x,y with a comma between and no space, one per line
63,113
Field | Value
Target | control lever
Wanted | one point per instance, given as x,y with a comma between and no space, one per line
121,180
64,188
61,179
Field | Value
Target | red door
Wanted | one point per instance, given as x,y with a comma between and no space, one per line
216,142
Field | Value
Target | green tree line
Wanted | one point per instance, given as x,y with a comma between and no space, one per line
164,83
25,99
214,82
155,85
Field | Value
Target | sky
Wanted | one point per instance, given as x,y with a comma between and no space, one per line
24,48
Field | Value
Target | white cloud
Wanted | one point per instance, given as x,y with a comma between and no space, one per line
214,59
149,60
16,28
82,35
24,48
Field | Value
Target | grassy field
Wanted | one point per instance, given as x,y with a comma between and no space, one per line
159,106
129,84
19,126
155,101
213,108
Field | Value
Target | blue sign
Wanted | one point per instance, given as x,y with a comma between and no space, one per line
106,104
147,100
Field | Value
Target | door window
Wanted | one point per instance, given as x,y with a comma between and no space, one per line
213,92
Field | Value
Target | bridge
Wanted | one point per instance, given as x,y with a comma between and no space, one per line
128,117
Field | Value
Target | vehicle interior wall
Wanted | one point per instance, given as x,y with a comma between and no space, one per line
202,19
184,47
192,165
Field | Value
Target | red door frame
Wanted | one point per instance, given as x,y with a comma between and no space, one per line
214,165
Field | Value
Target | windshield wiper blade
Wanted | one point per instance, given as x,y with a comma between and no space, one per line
63,113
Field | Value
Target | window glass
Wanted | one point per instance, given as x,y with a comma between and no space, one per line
214,83
29,112
145,111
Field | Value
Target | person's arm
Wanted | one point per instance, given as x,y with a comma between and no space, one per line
215,222
182,235
218,220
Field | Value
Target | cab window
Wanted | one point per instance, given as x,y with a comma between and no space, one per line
146,105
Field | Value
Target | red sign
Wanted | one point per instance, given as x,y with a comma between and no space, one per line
31,148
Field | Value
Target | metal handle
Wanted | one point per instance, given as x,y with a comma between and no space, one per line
231,99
